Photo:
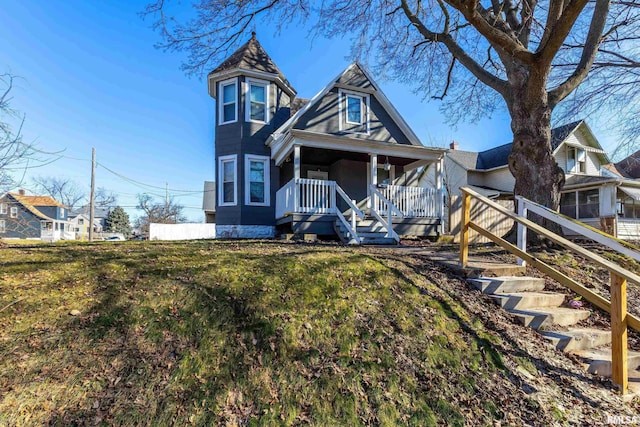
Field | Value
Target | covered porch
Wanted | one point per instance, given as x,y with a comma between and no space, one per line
332,186
53,230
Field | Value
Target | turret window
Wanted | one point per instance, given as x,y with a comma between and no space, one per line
229,101
257,180
257,101
228,182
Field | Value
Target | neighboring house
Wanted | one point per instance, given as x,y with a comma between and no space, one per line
593,192
33,217
100,216
80,225
209,202
286,164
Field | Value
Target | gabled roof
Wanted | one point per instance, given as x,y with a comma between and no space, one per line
377,93
498,156
630,166
98,212
30,203
251,57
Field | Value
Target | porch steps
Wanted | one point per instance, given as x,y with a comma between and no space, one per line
525,298
370,232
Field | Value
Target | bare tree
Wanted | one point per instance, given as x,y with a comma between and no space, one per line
167,212
14,153
63,190
105,198
527,56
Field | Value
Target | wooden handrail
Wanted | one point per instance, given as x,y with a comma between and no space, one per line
631,277
617,307
586,230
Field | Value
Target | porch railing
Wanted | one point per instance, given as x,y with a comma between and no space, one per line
387,207
315,196
414,202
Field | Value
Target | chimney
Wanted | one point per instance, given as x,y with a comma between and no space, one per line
454,145
21,192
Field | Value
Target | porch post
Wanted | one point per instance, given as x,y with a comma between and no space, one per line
296,161
439,195
374,178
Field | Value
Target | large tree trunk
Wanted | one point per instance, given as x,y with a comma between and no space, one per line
537,174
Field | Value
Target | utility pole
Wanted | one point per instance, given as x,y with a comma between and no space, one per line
92,194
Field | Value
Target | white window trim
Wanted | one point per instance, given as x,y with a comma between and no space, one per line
221,160
3,226
221,85
13,212
247,96
3,208
247,179
342,110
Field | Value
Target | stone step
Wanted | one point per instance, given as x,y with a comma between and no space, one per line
378,241
578,338
524,300
542,317
507,284
599,360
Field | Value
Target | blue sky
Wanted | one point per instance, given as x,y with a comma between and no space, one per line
91,77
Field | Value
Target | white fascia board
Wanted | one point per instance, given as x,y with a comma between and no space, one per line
591,185
249,73
354,145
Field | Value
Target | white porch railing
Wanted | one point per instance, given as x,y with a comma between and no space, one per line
380,200
316,196
412,202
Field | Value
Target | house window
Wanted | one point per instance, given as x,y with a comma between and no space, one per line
80,221
3,208
589,204
354,109
228,101
256,180
3,226
257,109
61,212
227,177
354,112
576,160
14,212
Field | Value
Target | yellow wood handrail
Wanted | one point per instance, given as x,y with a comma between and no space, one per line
617,307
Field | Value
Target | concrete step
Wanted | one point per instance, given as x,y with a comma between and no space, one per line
599,360
578,338
378,241
524,300
507,284
543,317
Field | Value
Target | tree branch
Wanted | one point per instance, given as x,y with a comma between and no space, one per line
456,50
589,52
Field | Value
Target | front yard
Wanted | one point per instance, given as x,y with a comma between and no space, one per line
264,333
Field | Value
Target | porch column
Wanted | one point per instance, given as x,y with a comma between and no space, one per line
374,169
439,194
296,161
374,179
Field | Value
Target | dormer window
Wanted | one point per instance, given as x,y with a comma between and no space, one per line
257,98
354,112
576,160
228,104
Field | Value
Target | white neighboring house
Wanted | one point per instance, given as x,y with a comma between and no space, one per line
594,193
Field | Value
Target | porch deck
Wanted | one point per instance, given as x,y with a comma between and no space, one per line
322,207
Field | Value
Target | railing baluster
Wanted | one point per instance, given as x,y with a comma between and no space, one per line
464,229
522,231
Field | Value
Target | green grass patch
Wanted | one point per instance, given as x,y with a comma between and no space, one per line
214,333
